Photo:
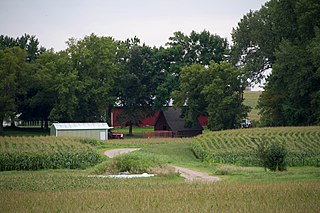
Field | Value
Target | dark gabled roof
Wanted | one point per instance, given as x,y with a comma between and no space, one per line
176,122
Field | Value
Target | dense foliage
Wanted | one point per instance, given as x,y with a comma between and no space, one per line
215,90
84,82
272,155
283,35
240,146
29,153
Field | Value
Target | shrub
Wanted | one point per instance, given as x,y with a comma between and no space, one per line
138,162
272,155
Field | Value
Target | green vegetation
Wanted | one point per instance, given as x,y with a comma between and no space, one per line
33,153
244,189
135,131
251,99
272,155
214,90
24,131
73,191
285,36
138,162
240,146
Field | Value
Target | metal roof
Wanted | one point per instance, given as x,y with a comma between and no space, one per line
176,122
74,126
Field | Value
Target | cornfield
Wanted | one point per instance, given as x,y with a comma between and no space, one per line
239,146
33,153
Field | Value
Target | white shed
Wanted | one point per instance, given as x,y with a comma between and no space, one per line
97,131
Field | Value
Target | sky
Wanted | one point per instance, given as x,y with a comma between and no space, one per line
53,22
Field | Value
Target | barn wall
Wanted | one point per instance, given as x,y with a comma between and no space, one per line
148,121
151,120
94,134
203,120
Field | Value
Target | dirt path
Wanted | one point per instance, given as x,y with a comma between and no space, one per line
192,175
188,174
115,152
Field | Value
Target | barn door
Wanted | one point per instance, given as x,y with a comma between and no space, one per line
103,135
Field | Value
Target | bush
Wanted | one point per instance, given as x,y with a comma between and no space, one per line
138,162
272,155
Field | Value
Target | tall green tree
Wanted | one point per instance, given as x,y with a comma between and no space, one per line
224,95
32,48
14,72
215,91
282,36
291,96
190,97
138,83
94,62
27,42
55,88
184,50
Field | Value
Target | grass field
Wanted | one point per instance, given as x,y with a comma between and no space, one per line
251,100
242,189
73,191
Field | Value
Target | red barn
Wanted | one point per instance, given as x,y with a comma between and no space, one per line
149,121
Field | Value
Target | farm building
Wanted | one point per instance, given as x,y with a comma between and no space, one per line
97,131
150,120
170,120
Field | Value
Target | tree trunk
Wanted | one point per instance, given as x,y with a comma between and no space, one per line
46,123
109,114
1,125
12,121
41,123
130,129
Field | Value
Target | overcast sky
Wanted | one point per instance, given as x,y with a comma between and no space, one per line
153,21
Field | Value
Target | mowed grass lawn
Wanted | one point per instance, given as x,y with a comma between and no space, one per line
242,189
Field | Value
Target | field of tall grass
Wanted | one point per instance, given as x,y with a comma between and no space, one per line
74,191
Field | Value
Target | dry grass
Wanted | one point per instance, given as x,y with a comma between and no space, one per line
172,197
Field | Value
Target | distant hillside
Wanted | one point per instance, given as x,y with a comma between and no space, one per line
251,100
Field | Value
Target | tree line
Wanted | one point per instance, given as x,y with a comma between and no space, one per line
283,35
199,71
89,77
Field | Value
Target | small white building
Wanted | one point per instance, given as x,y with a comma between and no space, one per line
97,131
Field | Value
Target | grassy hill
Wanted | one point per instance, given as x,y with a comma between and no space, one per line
239,146
251,100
